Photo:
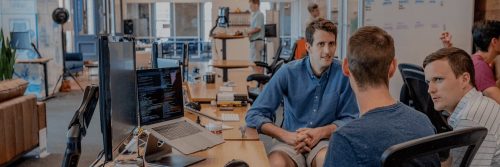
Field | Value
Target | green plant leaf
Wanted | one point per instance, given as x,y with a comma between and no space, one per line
7,58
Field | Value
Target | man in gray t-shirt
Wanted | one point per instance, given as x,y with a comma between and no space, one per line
256,31
383,121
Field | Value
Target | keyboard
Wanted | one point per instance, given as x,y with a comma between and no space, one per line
177,130
230,117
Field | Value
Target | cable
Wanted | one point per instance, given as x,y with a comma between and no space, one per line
99,156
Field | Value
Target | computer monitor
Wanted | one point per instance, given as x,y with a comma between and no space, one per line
270,31
117,87
159,94
20,40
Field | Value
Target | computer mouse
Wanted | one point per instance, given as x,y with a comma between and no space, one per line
236,163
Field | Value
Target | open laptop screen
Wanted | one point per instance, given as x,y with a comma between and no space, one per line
159,92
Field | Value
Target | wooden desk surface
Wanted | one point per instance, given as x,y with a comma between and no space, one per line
230,134
34,61
203,92
252,152
227,36
231,63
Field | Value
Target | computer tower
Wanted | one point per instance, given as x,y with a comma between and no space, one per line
128,27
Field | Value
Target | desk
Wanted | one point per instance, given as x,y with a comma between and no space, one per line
43,61
251,152
230,134
228,64
224,38
205,93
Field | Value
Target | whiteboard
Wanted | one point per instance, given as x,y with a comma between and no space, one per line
416,26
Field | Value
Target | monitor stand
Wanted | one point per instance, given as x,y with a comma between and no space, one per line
160,153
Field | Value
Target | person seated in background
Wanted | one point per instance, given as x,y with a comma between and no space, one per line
486,37
450,74
317,100
384,122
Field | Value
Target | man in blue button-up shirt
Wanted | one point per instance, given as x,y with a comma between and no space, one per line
317,100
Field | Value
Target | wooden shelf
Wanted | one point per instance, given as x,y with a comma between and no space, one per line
239,25
239,13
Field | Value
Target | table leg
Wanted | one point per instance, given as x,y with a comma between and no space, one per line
223,49
46,82
224,75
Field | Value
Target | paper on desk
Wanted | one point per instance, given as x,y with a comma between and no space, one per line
225,127
226,89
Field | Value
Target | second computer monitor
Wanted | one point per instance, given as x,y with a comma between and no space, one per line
159,94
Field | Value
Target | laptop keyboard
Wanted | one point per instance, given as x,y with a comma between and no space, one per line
177,130
230,117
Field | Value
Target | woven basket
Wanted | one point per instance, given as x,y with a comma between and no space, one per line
12,88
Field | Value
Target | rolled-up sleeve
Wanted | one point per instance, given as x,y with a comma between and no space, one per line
348,107
263,110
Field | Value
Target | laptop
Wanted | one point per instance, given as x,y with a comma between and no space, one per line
161,111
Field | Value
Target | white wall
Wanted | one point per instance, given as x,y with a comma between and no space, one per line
417,27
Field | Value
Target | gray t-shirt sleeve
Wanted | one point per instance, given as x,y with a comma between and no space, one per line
340,152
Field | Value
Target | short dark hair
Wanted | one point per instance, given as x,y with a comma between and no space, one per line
483,31
312,6
369,54
458,59
319,24
254,1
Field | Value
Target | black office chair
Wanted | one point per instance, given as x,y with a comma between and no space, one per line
77,128
404,95
401,154
262,79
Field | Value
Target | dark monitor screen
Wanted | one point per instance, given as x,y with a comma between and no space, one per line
117,88
270,31
159,92
20,40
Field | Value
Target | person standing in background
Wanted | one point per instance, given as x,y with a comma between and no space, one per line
313,15
256,31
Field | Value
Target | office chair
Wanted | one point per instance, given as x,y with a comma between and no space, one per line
405,96
262,79
422,101
77,128
401,154
299,50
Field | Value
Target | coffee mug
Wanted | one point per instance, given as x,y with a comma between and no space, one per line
209,78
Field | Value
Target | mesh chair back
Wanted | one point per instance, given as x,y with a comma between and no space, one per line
417,87
405,96
402,154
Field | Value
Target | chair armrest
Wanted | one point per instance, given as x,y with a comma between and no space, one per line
77,56
261,64
260,78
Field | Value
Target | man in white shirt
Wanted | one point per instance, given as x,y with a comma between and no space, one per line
450,74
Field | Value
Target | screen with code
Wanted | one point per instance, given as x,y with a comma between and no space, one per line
159,94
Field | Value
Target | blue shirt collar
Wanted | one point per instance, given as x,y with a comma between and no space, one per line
310,72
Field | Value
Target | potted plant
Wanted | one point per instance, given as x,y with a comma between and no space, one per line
9,87
7,58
